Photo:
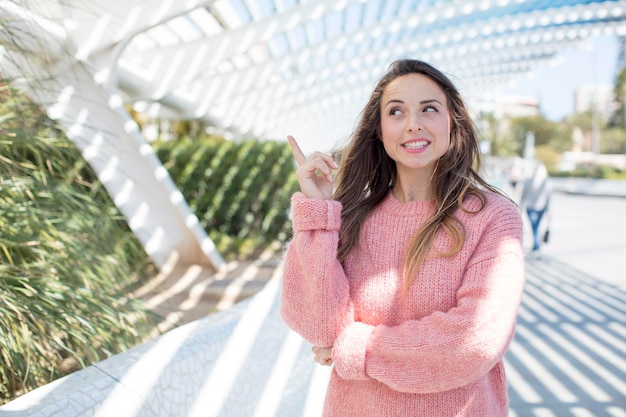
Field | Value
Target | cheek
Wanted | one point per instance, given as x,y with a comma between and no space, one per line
448,143
446,132
447,126
390,129
387,139
385,132
387,146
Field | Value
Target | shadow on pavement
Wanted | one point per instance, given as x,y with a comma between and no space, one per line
568,357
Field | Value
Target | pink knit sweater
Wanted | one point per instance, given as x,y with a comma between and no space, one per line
435,352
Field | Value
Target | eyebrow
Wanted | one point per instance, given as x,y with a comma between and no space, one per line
431,100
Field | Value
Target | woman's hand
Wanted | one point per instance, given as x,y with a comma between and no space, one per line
323,355
314,174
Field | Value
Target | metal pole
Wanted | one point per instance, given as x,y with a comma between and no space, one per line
595,128
624,121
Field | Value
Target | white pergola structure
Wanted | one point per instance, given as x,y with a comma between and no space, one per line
255,68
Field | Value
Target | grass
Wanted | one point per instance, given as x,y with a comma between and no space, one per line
68,261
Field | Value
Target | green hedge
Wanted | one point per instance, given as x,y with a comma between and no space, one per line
239,191
68,261
596,172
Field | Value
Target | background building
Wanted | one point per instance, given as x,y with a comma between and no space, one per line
598,96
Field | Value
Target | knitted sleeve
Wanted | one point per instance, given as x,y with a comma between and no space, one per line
448,349
315,295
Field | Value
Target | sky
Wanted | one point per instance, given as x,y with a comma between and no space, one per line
594,62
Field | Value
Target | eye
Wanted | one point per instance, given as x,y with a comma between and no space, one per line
430,108
395,111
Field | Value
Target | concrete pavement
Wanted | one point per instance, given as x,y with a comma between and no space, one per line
568,358
589,233
590,186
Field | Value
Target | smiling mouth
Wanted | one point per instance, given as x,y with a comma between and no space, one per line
416,145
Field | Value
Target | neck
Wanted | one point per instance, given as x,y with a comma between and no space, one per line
414,191
414,185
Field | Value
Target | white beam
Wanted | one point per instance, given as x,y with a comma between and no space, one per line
97,123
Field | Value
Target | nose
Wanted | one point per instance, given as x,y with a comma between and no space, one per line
414,122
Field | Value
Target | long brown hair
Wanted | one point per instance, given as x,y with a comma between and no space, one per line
367,173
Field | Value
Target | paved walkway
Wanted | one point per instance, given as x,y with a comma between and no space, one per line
569,354
182,294
568,358
589,233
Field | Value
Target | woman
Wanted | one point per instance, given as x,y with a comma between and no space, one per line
407,278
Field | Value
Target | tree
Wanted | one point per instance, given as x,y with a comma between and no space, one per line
619,91
494,131
557,136
613,141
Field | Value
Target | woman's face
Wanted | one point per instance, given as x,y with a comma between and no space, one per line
415,123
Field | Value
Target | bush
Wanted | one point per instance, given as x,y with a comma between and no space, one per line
548,156
68,261
239,191
594,171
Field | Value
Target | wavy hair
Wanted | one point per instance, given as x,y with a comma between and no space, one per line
367,173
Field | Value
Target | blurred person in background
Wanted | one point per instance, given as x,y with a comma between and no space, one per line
535,200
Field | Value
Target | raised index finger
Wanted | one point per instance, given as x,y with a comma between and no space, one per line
297,152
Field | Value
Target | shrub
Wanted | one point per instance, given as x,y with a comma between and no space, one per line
239,191
68,261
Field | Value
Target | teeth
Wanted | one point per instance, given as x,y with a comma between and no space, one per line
415,145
